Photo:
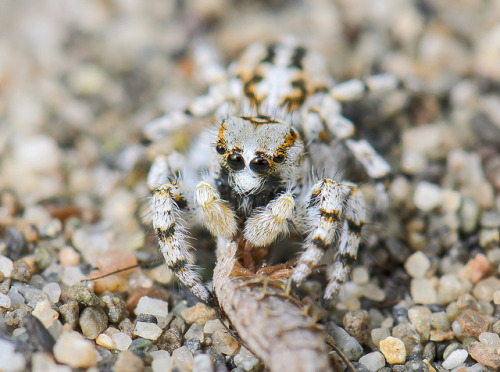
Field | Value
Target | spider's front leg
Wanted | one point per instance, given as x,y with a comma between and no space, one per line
171,234
267,223
335,213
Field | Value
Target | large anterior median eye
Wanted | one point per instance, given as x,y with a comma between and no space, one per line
236,162
259,165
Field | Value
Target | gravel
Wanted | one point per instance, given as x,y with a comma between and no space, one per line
78,84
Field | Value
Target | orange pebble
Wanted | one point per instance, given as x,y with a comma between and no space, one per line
116,259
110,283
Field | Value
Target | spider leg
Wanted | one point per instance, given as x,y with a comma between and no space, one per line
215,213
326,219
171,234
264,226
355,217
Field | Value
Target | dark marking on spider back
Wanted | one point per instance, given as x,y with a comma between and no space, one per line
270,54
298,57
164,234
259,119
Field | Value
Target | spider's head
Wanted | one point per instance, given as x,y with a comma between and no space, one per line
258,153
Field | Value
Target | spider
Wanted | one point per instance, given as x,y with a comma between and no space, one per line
279,118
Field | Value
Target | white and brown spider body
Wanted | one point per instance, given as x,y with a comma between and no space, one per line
254,177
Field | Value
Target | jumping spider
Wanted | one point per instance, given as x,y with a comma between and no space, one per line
279,118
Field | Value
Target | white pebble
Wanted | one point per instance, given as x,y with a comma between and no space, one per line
158,354
213,325
76,351
417,265
195,331
5,301
149,331
105,341
203,363
38,153
15,296
162,364
373,361
491,339
182,358
53,290
6,266
122,340
423,291
360,275
427,196
455,359
153,306
10,360
44,312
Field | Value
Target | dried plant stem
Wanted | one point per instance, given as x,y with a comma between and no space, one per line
271,323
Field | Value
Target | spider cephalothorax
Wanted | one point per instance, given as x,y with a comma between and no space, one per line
251,178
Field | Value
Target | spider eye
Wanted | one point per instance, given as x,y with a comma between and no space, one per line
259,165
220,149
236,162
280,158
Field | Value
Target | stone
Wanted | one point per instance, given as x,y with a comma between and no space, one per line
420,317
203,363
22,270
224,342
146,318
358,325
153,306
6,266
93,321
122,340
5,301
170,340
53,290
394,350
127,361
69,257
115,308
106,341
139,292
149,331
473,323
417,265
485,355
83,295
479,268
440,321
213,325
378,334
199,313
360,275
247,361
485,288
423,290
193,345
44,312
490,339
70,313
349,346
163,363
68,343
406,332
427,196
182,358
195,332
373,361
451,287
11,360
455,358
373,292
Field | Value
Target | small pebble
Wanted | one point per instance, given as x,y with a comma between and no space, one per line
170,340
485,288
485,355
373,292
473,323
246,360
360,275
199,313
106,341
225,343
349,346
162,364
406,332
213,325
393,350
420,317
195,332
153,306
440,321
93,321
427,196
127,361
417,265
70,313
451,287
193,345
44,312
22,271
69,257
115,308
5,301
379,334
490,339
53,290
182,358
423,291
83,295
358,324
6,266
68,343
373,361
149,331
11,360
203,363
122,340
